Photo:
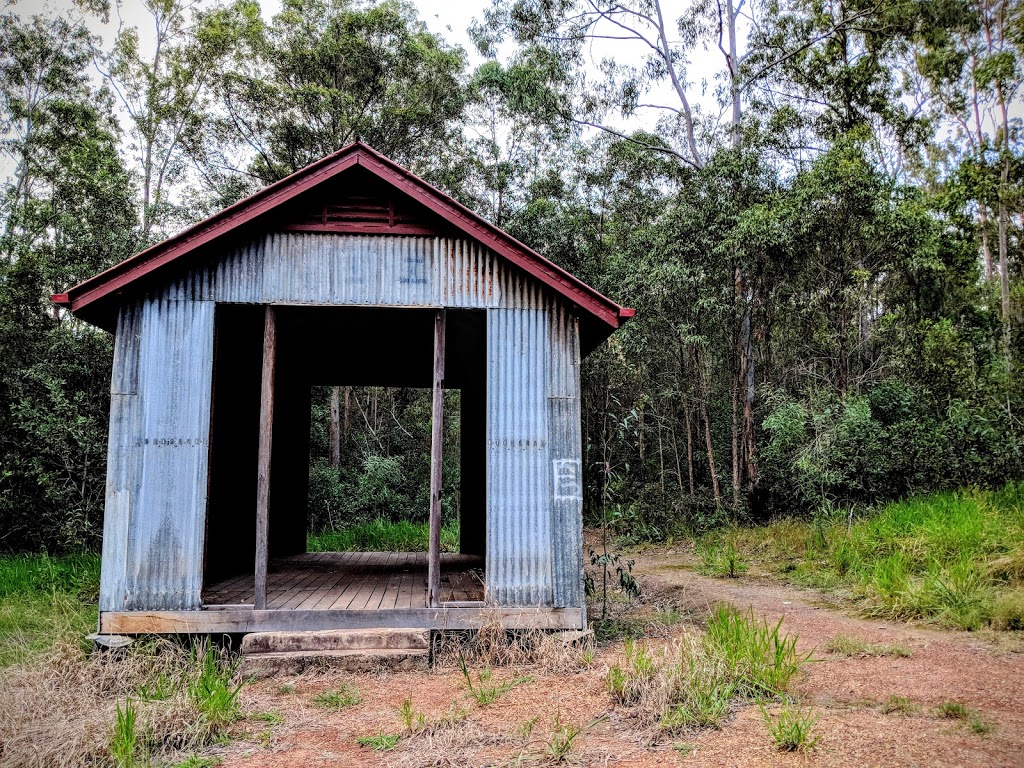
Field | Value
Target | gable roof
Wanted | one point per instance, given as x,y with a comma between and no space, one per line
94,299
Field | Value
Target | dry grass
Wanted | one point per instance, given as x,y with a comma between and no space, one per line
59,708
495,646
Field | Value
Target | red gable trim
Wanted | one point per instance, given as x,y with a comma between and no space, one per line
251,208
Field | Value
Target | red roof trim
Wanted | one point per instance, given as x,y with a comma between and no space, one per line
247,210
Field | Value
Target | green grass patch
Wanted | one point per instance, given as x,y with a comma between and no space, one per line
792,730
953,558
721,558
848,645
382,742
339,698
692,683
44,598
486,690
899,705
381,535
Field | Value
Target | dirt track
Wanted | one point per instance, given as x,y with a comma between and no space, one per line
847,693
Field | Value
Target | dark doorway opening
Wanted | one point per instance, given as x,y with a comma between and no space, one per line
327,347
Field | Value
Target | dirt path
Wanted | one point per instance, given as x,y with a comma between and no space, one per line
847,692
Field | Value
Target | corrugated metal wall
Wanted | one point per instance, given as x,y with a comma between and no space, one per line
160,411
564,453
304,268
518,489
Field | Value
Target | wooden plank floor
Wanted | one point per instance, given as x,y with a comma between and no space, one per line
356,581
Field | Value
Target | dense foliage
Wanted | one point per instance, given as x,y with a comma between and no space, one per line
822,241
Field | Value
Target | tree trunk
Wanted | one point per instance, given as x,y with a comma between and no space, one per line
689,450
711,454
335,433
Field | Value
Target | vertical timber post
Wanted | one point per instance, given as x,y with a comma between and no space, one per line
436,440
266,441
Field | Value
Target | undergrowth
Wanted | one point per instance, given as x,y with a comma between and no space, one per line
954,558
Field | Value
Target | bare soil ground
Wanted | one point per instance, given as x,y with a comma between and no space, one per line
983,672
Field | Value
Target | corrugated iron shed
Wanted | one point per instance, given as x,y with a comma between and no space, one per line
353,242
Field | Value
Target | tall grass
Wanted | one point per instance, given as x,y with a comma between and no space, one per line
382,535
693,682
44,598
954,558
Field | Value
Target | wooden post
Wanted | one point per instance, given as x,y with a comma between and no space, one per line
266,441
436,439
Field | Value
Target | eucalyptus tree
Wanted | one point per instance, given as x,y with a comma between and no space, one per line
323,73
68,213
163,79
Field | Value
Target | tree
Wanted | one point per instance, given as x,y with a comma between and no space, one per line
326,72
67,214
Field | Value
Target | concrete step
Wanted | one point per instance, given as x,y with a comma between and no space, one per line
264,665
337,640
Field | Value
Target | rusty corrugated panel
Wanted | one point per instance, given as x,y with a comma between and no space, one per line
519,567
565,453
166,524
122,464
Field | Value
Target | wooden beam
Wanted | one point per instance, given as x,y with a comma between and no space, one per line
266,443
249,620
436,440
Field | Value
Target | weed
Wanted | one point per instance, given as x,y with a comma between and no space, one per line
161,688
691,683
980,726
706,701
124,743
953,710
413,721
721,559
344,696
848,645
558,745
899,705
485,690
953,558
793,729
286,688
195,761
212,691
270,718
525,728
760,658
684,749
382,742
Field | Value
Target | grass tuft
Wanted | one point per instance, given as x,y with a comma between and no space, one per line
721,559
382,742
692,682
899,705
792,730
953,710
344,696
486,690
849,645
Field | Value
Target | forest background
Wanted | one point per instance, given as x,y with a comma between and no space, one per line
821,238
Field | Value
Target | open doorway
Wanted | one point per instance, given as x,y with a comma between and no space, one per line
322,353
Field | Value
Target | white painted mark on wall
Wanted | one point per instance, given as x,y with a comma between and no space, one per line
567,480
